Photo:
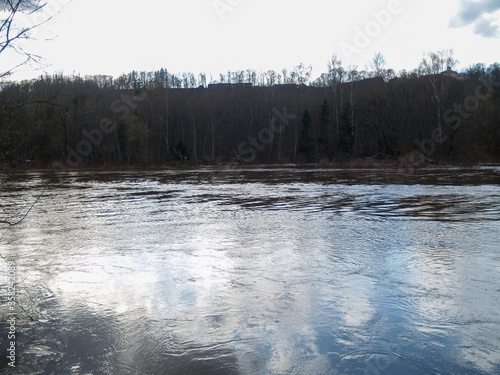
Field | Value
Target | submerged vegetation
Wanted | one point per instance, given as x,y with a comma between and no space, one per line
153,118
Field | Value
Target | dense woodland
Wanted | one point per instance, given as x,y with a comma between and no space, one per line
158,118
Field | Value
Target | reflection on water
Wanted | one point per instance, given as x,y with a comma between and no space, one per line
268,271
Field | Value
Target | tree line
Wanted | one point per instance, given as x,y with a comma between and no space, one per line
156,118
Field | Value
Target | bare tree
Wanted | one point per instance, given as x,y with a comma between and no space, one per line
377,65
433,65
336,75
15,26
437,62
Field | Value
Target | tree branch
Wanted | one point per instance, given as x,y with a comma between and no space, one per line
27,212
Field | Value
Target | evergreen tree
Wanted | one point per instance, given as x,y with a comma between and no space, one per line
346,131
306,141
324,121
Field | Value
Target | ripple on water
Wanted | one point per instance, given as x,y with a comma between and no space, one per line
248,272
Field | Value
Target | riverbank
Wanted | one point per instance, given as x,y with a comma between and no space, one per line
485,174
358,163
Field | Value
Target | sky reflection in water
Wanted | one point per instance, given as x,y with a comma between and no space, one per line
234,272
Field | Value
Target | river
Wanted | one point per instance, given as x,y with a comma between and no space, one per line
253,271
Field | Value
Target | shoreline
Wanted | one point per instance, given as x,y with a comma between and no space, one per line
355,164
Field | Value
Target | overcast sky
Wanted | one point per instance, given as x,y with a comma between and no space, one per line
116,36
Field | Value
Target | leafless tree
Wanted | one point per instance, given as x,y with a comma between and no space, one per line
377,65
18,21
432,66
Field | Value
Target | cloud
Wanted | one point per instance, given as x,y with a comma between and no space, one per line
486,28
479,14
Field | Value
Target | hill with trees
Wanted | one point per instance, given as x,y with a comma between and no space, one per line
157,118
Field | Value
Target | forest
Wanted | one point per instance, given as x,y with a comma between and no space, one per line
159,118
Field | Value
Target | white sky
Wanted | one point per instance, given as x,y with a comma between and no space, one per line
117,36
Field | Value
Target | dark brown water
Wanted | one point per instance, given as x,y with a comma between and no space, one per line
254,271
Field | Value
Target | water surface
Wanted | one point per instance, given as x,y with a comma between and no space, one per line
255,271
